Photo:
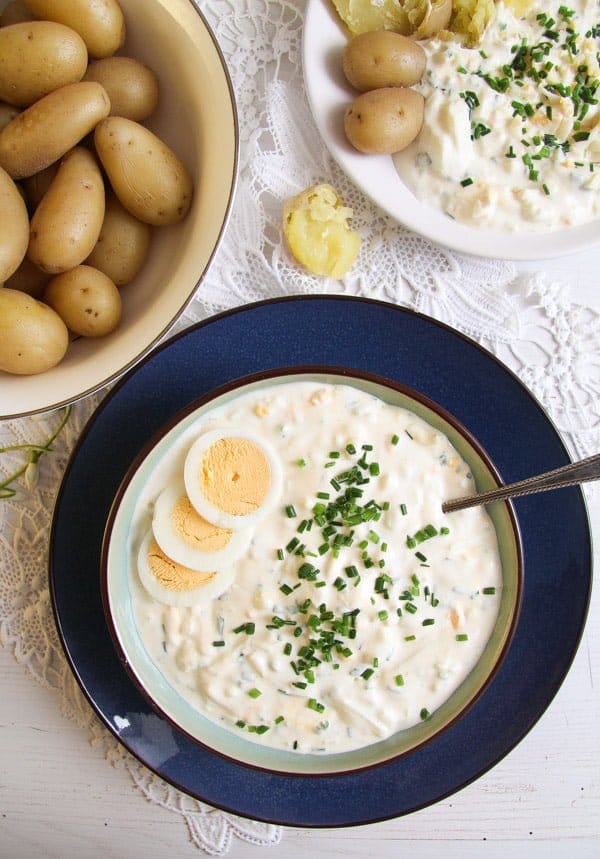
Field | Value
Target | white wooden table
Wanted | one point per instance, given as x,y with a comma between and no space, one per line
60,798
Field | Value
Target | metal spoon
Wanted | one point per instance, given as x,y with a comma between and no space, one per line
567,475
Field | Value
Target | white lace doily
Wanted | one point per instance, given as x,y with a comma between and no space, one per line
528,321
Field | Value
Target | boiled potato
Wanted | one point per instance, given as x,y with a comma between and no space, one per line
66,224
37,57
36,186
122,245
315,225
14,226
470,18
15,13
7,114
28,278
382,59
33,337
132,87
428,17
100,23
147,177
362,16
43,133
86,300
385,120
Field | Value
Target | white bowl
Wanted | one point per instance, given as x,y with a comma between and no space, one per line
324,38
119,580
197,117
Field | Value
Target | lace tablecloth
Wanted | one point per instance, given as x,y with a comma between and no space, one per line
525,317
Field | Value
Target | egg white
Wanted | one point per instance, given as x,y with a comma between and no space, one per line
205,592
173,545
205,508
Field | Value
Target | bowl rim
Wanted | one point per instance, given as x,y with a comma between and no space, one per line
140,355
273,374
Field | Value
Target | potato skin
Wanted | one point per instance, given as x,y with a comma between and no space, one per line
28,278
67,222
36,186
385,120
38,57
43,133
382,59
7,114
13,212
145,174
132,87
100,23
15,13
33,338
122,245
86,300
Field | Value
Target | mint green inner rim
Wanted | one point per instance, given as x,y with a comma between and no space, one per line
179,711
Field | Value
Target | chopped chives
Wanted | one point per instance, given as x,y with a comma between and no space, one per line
313,704
240,724
489,590
280,554
290,511
350,449
278,720
429,621
424,714
367,673
466,182
399,680
287,649
409,637
254,693
462,636
395,439
218,644
403,510
382,615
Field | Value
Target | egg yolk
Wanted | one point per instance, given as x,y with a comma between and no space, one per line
235,476
173,576
195,530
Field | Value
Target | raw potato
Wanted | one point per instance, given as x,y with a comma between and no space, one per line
13,212
384,120
122,245
100,23
87,301
315,225
33,337
38,57
43,133
28,278
147,176
67,222
132,87
382,59
7,114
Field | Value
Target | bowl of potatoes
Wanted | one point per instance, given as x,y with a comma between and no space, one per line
118,163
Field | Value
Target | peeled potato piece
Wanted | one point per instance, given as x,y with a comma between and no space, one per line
315,224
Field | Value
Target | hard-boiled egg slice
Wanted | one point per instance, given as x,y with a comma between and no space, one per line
232,478
189,538
174,584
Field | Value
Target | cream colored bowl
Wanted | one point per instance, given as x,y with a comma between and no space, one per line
197,117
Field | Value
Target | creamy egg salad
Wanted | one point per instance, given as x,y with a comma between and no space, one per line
351,608
511,137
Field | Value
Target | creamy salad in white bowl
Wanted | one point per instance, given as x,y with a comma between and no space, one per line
338,617
507,162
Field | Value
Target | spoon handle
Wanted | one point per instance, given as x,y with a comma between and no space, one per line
567,475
